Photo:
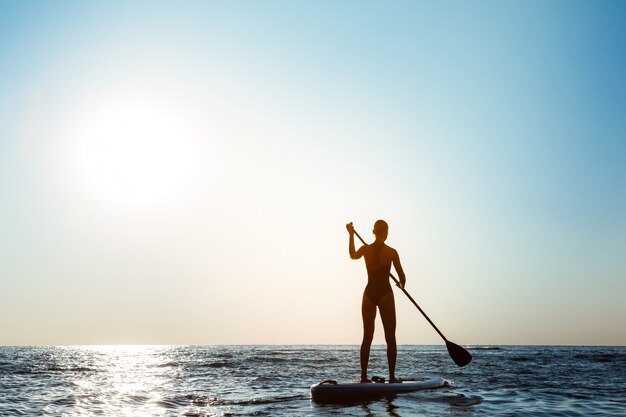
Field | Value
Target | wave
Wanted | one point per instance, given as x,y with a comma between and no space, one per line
484,348
218,364
71,369
262,400
34,370
269,360
212,401
166,365
69,400
601,357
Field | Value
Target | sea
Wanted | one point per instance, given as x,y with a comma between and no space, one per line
275,381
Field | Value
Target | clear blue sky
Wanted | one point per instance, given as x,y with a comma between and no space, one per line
182,172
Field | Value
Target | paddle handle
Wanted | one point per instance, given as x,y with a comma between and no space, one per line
408,295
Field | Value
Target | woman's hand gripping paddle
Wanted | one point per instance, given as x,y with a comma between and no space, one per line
459,355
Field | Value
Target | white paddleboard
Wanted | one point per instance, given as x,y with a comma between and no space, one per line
333,391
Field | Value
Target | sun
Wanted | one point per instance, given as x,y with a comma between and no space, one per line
131,152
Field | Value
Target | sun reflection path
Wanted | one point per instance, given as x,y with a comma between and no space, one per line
131,382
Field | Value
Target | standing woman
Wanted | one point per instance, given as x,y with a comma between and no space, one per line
378,293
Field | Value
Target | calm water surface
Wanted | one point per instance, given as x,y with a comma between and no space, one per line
274,381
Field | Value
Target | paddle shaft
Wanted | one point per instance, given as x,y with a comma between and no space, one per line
409,296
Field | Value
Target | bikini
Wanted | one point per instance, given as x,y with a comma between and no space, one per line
378,284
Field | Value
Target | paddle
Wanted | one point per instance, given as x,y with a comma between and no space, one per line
459,355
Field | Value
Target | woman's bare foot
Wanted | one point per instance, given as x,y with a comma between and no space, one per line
395,380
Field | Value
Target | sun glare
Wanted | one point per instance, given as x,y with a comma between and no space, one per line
131,152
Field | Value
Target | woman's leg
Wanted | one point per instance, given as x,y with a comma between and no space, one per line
368,312
387,308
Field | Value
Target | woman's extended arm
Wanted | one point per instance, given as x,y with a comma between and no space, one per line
353,254
398,267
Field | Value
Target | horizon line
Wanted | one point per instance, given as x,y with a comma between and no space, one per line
469,346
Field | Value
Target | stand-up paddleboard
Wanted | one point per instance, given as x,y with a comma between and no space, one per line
330,390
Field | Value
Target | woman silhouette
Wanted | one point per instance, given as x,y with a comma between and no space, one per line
378,293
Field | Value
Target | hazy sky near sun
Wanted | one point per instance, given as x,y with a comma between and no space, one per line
182,172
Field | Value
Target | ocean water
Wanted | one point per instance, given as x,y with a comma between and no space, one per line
275,381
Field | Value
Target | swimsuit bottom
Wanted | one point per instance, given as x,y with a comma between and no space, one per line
375,291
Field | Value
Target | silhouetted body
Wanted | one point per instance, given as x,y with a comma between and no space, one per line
378,293
378,269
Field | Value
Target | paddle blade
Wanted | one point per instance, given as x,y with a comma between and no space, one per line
459,355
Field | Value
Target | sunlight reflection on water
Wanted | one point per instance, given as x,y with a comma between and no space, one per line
123,377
